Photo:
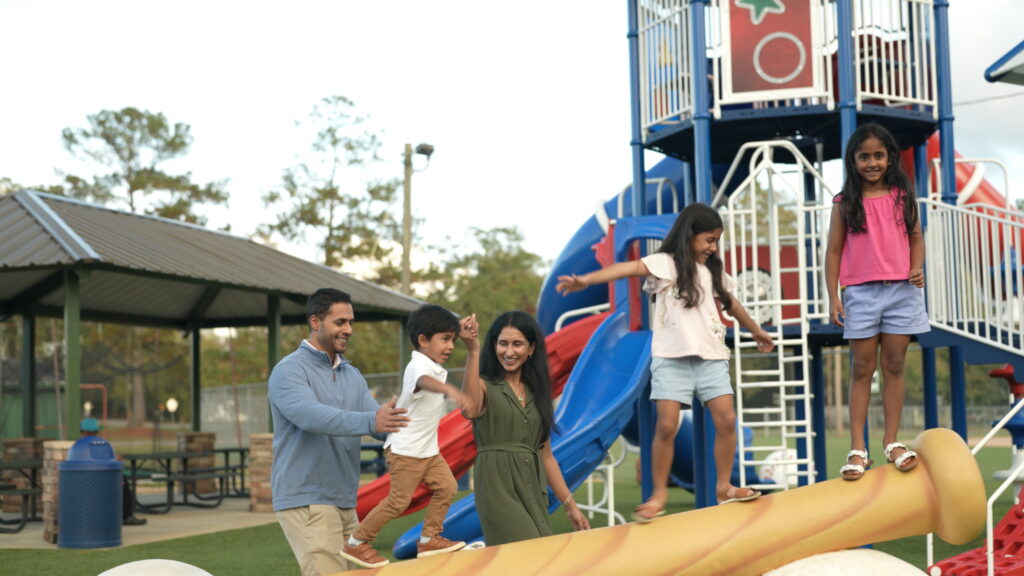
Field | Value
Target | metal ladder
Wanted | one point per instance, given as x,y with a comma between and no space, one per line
766,215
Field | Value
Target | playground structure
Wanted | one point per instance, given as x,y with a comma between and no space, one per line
781,96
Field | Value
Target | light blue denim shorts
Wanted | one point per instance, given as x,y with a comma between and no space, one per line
884,308
679,378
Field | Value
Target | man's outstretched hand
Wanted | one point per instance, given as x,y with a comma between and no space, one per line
390,419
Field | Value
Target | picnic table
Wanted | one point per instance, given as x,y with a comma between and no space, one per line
179,468
28,469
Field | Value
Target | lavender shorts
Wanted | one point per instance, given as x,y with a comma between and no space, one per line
679,379
884,308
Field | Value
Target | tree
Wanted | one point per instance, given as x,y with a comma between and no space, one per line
499,275
350,226
134,143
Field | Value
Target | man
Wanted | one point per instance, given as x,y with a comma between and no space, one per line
321,406
90,427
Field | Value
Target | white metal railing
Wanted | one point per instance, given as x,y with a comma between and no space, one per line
894,52
1012,477
754,215
605,505
974,273
665,79
663,185
973,183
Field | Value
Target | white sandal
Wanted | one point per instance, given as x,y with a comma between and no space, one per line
904,462
855,471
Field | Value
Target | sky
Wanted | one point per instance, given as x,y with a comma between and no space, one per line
525,103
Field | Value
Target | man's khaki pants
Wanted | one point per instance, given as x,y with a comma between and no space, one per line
316,534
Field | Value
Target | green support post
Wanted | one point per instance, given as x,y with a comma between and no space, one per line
28,375
196,344
273,343
72,354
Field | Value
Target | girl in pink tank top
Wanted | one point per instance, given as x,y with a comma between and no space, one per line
876,253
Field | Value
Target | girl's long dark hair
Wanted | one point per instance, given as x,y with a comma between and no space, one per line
534,371
693,220
851,199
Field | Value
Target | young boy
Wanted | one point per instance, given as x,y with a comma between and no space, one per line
412,453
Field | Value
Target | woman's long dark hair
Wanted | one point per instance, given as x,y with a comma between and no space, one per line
534,371
851,199
693,220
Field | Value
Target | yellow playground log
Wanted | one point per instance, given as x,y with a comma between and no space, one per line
944,494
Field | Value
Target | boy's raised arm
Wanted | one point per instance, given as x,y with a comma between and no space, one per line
472,386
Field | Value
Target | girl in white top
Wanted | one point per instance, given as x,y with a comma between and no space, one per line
689,355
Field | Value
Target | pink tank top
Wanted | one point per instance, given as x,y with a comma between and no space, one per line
882,250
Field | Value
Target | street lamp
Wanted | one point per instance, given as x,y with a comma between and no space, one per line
426,150
172,406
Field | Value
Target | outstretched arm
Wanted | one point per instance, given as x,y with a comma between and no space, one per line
761,336
473,388
574,283
561,489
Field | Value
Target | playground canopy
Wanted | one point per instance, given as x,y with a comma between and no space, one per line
63,257
1009,68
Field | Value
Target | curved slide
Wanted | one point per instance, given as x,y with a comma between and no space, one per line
455,433
597,404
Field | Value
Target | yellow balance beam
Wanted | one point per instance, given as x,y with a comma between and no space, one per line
944,494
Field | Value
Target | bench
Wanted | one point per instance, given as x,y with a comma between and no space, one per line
29,470
27,507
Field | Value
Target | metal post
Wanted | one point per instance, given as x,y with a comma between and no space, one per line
931,391
701,103
945,87
406,217
818,413
639,194
847,90
72,353
28,375
196,394
958,391
273,344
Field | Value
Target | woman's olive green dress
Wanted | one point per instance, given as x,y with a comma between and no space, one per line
510,483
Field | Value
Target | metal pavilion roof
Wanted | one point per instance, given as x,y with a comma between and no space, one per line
153,271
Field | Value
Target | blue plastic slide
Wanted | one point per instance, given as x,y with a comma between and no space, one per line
597,404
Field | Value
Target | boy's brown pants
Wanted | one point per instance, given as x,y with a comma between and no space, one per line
406,474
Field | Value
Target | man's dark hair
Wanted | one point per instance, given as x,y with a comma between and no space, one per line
320,302
428,320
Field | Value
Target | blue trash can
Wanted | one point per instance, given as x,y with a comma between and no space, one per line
89,512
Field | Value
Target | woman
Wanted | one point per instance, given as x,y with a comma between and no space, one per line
510,406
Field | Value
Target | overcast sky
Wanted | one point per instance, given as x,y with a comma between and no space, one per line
526,103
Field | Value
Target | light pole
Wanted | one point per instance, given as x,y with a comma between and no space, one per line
172,407
426,150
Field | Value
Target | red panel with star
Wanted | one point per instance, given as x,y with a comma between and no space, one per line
771,45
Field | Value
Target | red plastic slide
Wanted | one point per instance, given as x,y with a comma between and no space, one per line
985,193
455,433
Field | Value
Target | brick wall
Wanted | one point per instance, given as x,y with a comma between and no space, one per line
261,456
54,452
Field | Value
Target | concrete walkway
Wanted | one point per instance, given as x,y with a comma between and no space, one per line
180,522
